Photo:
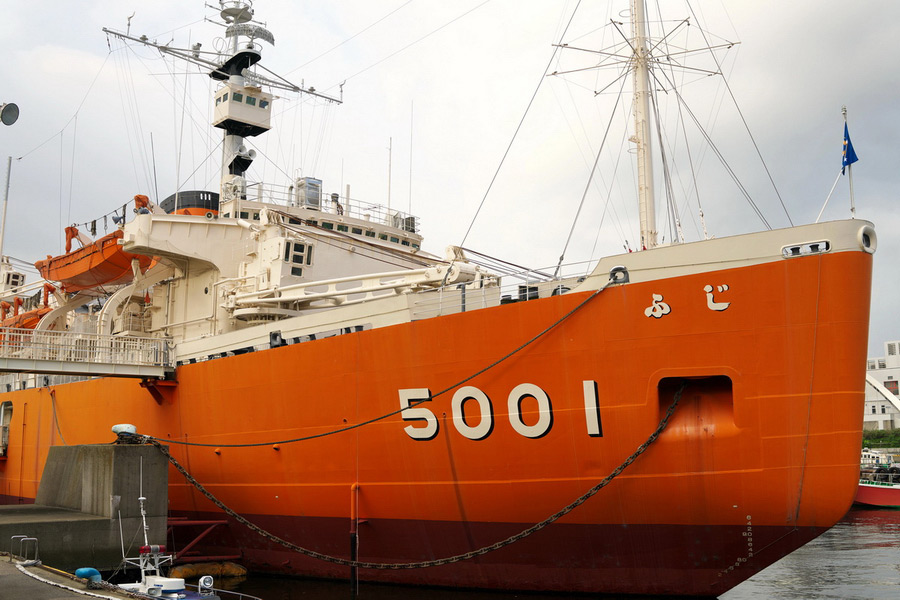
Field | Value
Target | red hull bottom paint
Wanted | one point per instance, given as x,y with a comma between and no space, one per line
884,495
696,560
7,499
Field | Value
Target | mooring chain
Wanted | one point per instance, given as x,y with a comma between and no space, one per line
441,561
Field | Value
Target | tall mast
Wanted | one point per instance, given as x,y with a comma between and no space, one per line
641,138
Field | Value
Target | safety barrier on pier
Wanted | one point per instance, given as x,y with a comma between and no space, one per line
91,354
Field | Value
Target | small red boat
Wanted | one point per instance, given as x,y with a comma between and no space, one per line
885,494
102,262
879,480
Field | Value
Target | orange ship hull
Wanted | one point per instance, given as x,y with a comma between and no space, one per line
101,263
760,456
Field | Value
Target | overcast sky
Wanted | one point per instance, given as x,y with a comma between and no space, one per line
447,83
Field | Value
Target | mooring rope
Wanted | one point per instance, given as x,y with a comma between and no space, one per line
441,561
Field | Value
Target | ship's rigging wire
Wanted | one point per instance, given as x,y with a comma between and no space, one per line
411,405
441,561
410,45
512,140
133,126
355,35
180,133
77,110
724,162
747,128
607,194
587,186
71,169
503,266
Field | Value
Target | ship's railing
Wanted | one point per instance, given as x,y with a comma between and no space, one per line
287,196
67,352
517,286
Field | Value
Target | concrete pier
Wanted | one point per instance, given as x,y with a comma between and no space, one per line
43,583
84,495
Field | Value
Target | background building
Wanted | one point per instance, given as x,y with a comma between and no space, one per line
882,409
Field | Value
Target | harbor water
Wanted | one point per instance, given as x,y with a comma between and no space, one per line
858,559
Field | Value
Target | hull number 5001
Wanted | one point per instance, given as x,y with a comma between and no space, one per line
426,427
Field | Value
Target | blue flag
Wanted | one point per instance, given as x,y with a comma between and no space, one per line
849,156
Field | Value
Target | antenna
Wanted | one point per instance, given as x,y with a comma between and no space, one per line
5,201
411,106
141,499
390,144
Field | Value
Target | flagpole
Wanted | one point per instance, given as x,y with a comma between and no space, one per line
849,171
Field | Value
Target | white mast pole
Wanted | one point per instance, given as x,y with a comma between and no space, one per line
646,201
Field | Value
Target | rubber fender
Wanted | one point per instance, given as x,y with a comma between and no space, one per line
217,569
89,573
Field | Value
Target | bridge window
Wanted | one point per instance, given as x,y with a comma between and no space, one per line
297,254
237,97
251,100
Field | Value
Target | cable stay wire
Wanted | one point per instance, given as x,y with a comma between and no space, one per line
351,38
518,128
749,133
409,45
590,179
75,115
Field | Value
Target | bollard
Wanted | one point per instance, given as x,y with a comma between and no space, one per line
24,542
12,541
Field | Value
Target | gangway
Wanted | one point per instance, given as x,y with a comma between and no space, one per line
87,354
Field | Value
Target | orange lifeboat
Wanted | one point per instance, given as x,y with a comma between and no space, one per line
28,319
102,262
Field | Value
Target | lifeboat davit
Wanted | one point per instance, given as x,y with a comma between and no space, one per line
99,263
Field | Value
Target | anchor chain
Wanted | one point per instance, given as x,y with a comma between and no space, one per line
441,561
